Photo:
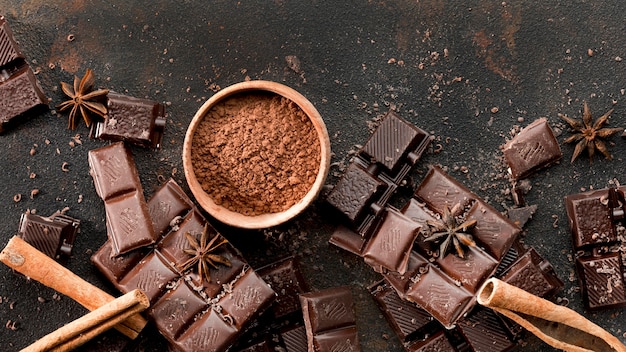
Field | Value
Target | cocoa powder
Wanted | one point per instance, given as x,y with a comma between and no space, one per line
256,153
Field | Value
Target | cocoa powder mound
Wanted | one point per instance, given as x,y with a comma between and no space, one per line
256,153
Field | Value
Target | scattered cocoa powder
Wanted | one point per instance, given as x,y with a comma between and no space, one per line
256,153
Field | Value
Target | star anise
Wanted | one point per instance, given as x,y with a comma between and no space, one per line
202,253
83,99
449,231
589,134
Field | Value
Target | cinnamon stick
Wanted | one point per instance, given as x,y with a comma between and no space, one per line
556,325
92,324
27,260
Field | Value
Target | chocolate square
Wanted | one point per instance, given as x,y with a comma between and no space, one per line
401,282
602,281
391,245
355,192
328,309
348,240
116,267
393,141
344,339
484,331
472,270
220,276
113,170
19,92
439,190
208,333
128,222
440,296
176,309
53,235
247,297
167,203
174,244
287,281
533,274
492,229
590,218
135,120
151,275
533,148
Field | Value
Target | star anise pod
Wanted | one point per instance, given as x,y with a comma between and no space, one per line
83,99
589,134
202,253
448,231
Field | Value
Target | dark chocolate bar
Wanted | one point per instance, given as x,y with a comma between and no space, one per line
329,320
19,92
53,235
286,279
590,218
535,147
484,331
117,183
191,313
602,281
377,171
134,120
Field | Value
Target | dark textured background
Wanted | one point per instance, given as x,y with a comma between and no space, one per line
443,65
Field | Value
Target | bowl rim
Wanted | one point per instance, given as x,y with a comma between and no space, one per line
230,217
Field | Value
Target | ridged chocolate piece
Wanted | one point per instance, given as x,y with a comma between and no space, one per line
602,281
295,339
472,270
393,141
286,279
329,320
533,274
354,192
484,332
53,235
535,147
437,342
130,119
175,310
9,50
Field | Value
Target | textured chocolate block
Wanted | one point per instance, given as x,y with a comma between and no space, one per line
176,309
208,333
135,120
167,204
174,244
590,218
533,274
114,267
354,192
113,170
402,282
390,247
294,339
128,222
19,92
151,275
535,147
348,240
472,270
493,230
438,191
9,50
483,330
602,281
329,320
287,281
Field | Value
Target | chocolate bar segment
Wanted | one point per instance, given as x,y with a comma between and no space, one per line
483,330
590,218
9,50
130,119
472,270
286,279
19,92
390,247
151,275
533,274
53,235
439,191
167,204
602,281
329,320
535,147
114,268
117,183
176,309
208,333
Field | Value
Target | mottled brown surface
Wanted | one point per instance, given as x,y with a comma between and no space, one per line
469,72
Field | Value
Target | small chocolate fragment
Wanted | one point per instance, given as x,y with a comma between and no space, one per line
520,216
602,281
484,331
134,120
533,274
535,147
590,218
329,320
19,92
117,183
53,235
9,50
390,247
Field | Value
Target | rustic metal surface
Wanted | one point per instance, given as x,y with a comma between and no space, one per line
467,71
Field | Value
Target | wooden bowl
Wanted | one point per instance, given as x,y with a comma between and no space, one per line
237,219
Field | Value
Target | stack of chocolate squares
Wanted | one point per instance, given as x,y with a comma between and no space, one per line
156,246
436,252
19,89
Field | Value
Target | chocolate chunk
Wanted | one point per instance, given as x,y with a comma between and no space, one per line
329,320
134,120
590,218
492,229
440,296
9,50
19,92
438,191
535,147
348,240
484,331
53,235
520,216
354,192
295,339
402,282
395,142
406,319
173,245
391,245
151,275
207,333
378,169
176,309
602,281
167,204
248,296
286,279
114,267
472,270
117,183
437,342
533,274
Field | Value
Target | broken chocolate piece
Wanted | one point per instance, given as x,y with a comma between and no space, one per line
533,274
166,205
329,320
53,235
535,147
602,281
590,218
9,50
19,92
484,331
286,279
134,120
520,216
